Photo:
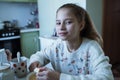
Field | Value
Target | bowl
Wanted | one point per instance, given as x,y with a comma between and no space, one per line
31,76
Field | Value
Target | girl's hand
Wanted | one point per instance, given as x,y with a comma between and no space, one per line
47,74
9,54
34,65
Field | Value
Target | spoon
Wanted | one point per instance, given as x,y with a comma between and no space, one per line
18,57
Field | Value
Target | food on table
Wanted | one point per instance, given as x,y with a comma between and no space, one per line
36,70
32,76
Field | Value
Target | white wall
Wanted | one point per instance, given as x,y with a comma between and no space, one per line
95,10
47,12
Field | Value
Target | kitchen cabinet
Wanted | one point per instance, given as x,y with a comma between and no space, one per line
29,43
18,0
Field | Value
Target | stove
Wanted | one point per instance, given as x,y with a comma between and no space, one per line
10,39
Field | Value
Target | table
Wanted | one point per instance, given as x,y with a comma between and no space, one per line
25,78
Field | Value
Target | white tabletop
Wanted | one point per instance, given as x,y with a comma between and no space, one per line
23,78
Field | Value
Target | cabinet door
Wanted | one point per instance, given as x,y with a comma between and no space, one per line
6,0
111,27
32,0
29,43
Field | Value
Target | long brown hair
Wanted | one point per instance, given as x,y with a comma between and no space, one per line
89,29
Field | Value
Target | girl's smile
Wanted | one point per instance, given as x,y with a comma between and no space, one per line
62,33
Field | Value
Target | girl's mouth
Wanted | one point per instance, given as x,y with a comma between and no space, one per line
62,33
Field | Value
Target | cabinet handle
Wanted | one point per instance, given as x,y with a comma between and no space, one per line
35,39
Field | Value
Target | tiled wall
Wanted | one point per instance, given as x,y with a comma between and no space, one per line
17,11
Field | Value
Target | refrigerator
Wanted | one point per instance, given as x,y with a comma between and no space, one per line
47,13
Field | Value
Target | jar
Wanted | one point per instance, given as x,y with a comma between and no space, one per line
1,25
5,72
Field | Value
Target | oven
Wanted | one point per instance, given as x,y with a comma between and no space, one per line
10,39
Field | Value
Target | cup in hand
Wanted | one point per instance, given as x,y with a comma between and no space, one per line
19,68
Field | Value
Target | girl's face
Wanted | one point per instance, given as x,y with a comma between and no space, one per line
67,25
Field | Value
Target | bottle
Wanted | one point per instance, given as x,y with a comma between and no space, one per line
37,24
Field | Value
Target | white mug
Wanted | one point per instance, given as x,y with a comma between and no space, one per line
19,68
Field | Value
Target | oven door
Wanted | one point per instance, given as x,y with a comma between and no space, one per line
12,43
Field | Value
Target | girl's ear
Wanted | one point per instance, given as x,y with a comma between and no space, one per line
82,24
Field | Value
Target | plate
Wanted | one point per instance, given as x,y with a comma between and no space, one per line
4,66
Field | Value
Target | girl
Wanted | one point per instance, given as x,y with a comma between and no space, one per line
77,54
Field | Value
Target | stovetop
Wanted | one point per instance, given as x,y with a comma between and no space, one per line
9,32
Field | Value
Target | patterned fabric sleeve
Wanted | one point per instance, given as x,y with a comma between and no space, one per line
38,56
45,55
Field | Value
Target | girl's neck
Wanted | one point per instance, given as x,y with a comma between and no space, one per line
74,44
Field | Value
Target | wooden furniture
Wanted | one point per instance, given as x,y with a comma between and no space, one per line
111,27
111,33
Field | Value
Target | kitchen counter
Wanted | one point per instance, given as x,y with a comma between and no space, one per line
46,41
29,30
49,37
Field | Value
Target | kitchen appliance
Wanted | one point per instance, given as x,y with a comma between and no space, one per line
10,39
7,24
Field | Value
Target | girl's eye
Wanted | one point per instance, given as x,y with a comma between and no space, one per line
68,22
58,23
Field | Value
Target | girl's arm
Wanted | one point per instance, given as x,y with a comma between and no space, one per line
39,59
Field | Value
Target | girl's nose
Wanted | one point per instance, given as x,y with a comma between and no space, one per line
62,26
